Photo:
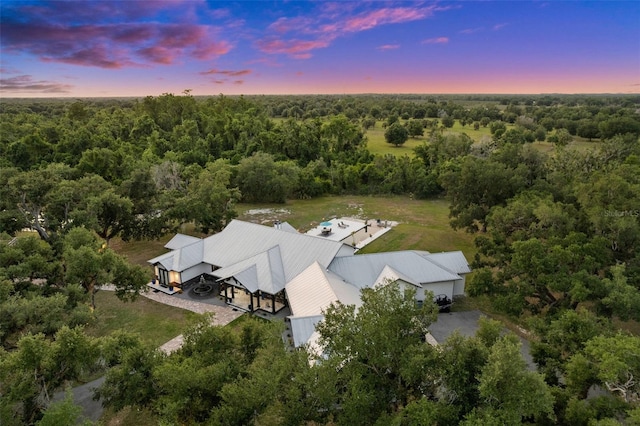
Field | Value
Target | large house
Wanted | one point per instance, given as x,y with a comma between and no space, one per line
262,268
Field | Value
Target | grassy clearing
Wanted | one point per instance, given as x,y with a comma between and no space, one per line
423,224
138,252
376,143
476,135
578,144
154,322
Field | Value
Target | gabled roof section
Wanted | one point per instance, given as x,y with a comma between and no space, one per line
264,272
363,270
242,240
182,258
302,328
180,240
285,226
454,261
312,291
389,274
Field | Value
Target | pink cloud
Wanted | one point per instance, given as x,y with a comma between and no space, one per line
499,26
385,15
26,84
336,20
388,46
227,72
471,30
284,24
436,40
94,39
298,49
157,54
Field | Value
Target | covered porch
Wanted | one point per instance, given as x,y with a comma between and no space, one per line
236,295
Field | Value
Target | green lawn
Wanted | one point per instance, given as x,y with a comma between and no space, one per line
378,145
138,252
155,322
578,144
423,224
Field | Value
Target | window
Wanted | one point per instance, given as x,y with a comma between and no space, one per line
163,276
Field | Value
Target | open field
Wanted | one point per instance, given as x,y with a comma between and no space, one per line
378,145
476,135
423,224
578,143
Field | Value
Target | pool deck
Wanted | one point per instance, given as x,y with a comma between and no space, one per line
355,232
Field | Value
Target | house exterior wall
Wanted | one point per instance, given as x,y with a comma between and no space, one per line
419,291
459,286
445,287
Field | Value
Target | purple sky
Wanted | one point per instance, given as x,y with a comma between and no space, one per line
139,48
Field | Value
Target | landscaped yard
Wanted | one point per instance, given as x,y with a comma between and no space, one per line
154,322
423,224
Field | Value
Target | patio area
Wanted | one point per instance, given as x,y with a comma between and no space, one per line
352,231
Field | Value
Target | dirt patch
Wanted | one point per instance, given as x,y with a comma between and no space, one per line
266,215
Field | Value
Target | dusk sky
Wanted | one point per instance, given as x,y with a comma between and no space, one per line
139,48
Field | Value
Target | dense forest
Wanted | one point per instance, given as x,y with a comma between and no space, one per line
557,234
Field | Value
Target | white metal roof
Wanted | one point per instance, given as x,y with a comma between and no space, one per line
240,245
389,274
303,327
264,271
180,240
241,240
286,226
363,270
452,260
312,291
182,258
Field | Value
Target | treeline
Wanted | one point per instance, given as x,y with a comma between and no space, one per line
558,238
157,155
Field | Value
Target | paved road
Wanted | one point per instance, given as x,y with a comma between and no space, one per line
83,395
467,324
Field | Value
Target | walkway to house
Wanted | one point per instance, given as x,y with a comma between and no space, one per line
83,395
223,314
